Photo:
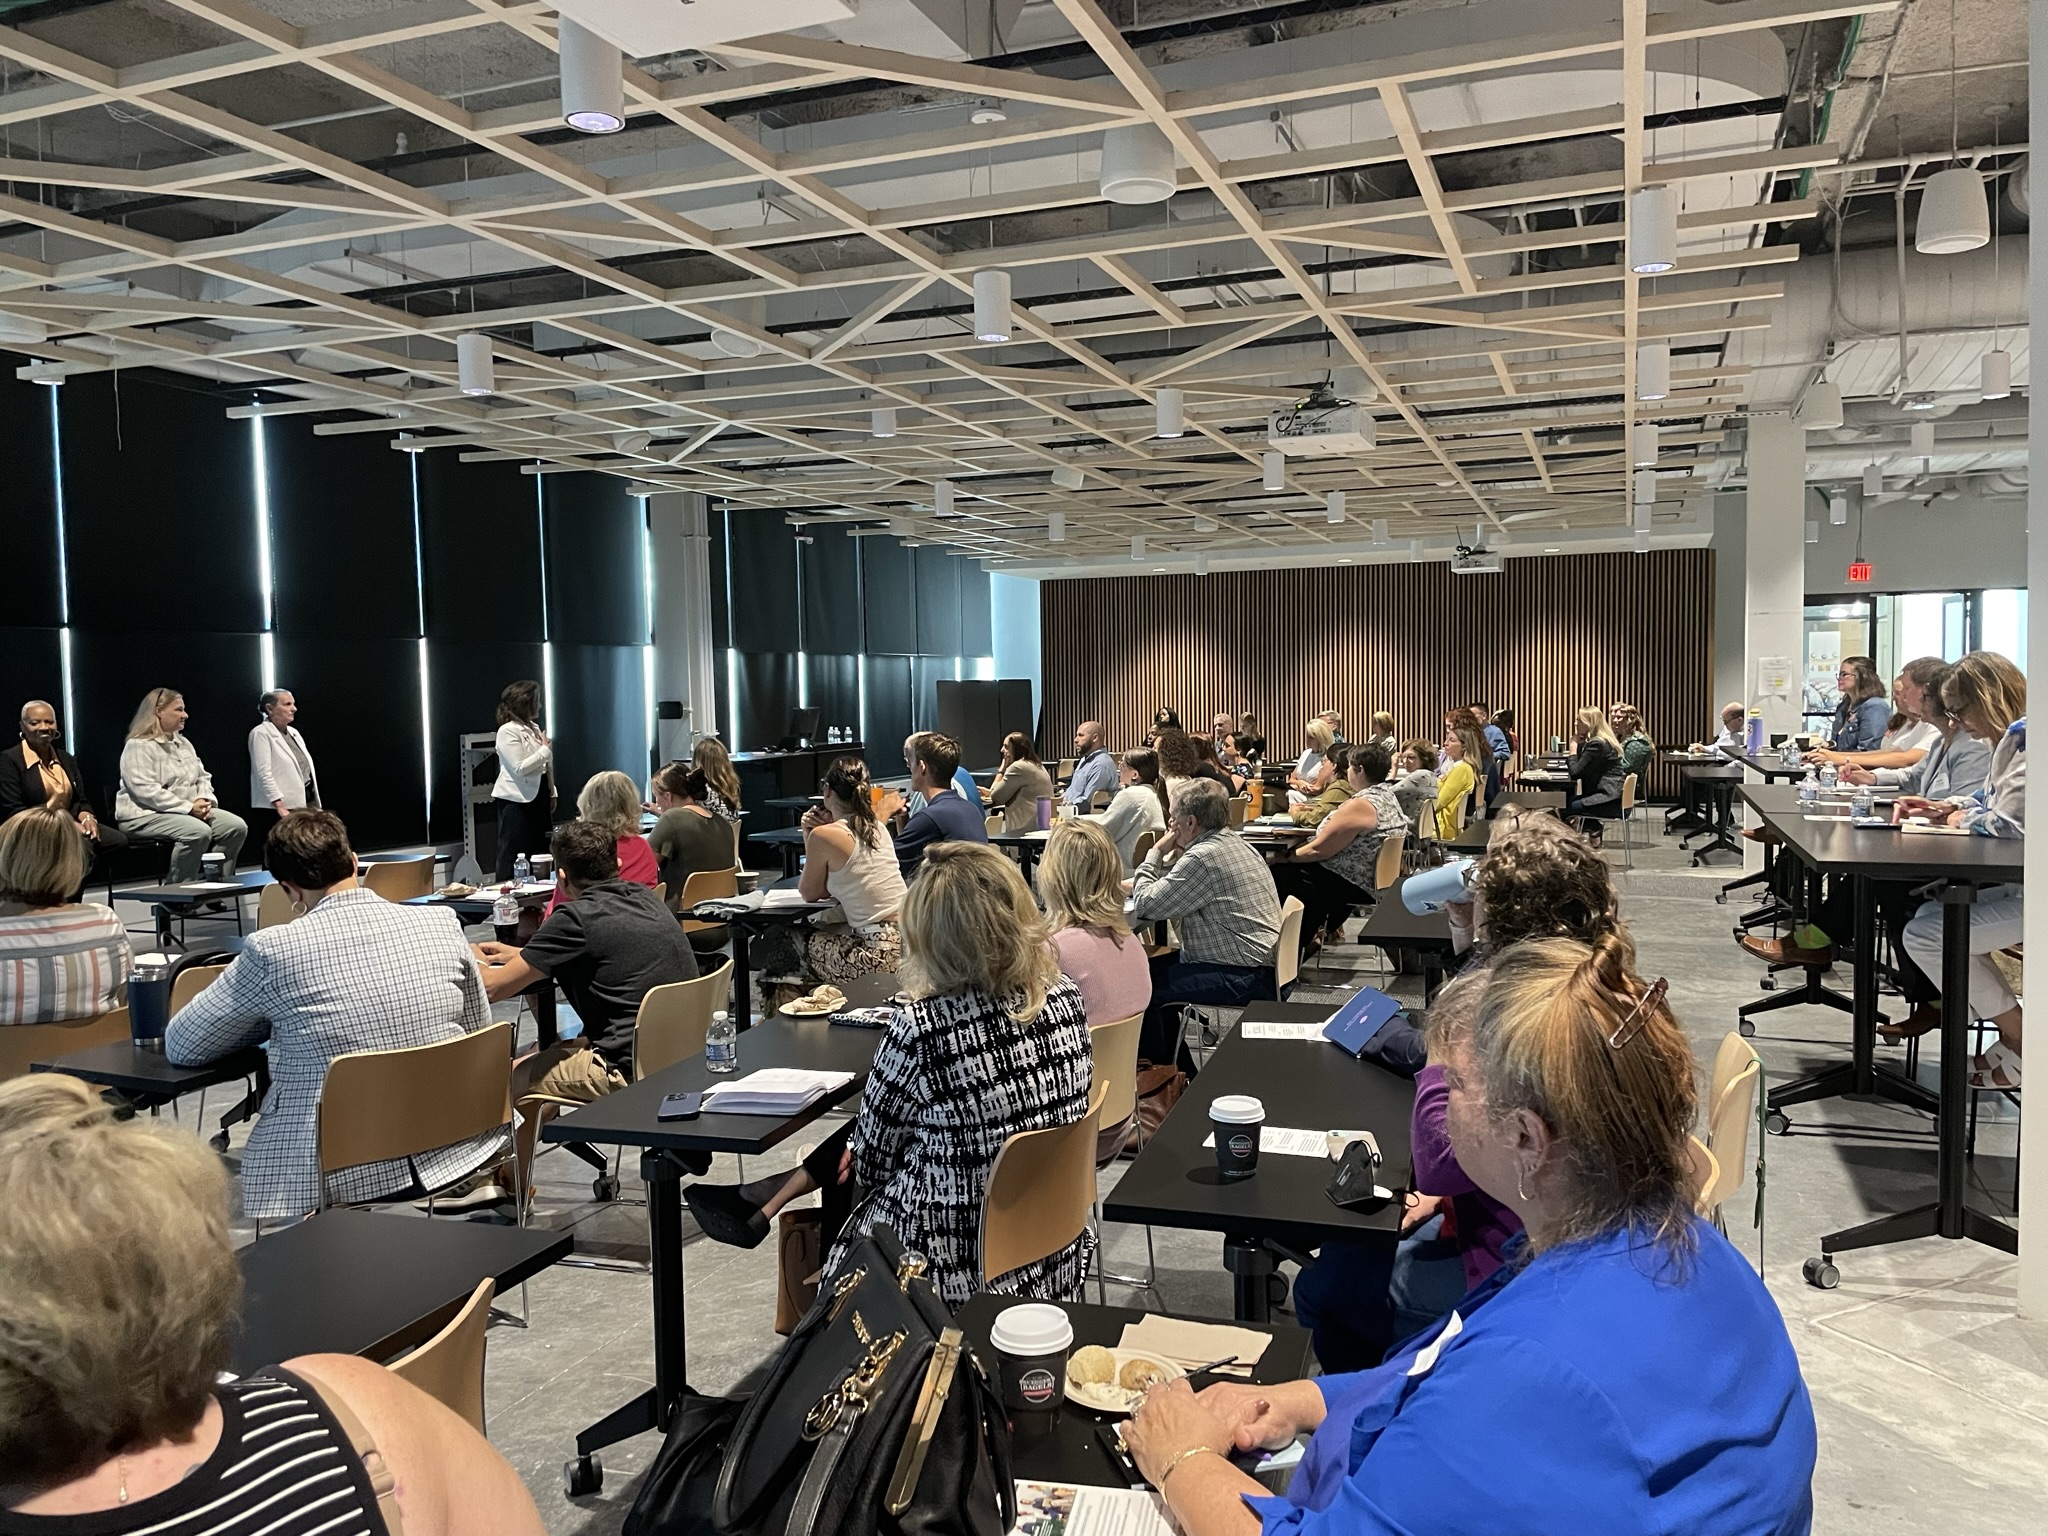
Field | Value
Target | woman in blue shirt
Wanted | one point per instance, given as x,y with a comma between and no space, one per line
1863,716
1624,1370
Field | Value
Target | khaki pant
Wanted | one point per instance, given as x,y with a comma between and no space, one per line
566,1072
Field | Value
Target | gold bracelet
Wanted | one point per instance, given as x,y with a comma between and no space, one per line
1193,1450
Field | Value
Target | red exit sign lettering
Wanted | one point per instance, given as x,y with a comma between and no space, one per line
1860,571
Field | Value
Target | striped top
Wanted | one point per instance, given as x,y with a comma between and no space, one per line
68,963
283,1468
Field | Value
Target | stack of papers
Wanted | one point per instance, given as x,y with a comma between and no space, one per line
773,1091
1188,1344
783,896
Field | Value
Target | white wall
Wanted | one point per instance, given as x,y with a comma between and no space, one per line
1013,622
1951,546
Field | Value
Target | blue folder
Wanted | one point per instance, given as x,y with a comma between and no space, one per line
1362,1016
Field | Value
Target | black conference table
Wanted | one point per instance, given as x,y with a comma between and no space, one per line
1959,867
668,1150
788,843
743,925
1027,846
143,1077
1281,1209
349,1282
1709,784
1771,766
1426,935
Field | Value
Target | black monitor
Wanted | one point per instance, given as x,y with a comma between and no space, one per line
803,725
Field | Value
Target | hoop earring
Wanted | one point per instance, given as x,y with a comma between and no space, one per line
1520,1193
300,909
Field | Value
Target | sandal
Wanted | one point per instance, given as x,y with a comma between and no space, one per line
1998,1069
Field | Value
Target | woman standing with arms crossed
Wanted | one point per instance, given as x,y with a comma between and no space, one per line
524,791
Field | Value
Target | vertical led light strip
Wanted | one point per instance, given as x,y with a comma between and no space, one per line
63,567
803,659
732,659
547,644
419,582
647,650
861,666
260,466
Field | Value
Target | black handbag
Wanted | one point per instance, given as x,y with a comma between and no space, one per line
876,1419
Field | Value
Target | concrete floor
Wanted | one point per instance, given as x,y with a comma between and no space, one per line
1932,1399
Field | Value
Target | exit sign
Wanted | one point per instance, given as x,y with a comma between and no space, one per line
1859,571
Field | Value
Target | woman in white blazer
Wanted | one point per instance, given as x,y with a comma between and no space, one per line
524,792
282,778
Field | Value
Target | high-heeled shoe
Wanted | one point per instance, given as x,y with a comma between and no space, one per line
726,1214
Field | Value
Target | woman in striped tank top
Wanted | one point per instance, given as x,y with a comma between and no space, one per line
118,1301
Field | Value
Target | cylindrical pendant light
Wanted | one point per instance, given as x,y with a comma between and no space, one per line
1333,507
593,80
1172,417
1996,375
1653,370
1201,565
1137,165
1652,230
1056,527
1138,547
1821,410
1415,551
1873,479
1954,215
991,304
1642,540
1646,445
1641,516
1645,487
1274,465
475,372
1838,508
942,496
1923,439
1812,531
882,421
1379,530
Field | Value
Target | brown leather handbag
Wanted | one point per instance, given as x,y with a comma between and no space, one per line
1159,1089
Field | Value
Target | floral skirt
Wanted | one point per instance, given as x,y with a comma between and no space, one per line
837,952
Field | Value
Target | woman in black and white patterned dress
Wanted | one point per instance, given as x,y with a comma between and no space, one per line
996,1042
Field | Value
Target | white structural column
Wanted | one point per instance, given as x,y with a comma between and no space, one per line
1774,563
2033,1221
685,659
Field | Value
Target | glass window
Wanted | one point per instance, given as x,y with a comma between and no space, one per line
2004,627
1913,624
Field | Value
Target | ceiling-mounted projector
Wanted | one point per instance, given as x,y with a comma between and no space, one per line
1471,560
647,29
1322,426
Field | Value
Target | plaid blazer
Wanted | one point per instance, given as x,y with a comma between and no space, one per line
357,973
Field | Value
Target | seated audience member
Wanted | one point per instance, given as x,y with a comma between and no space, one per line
1486,768
1221,728
608,944
167,792
1652,1381
1081,882
994,1042
1139,806
1417,786
58,959
118,1323
1165,719
1314,809
1457,784
1209,764
1310,768
710,758
1248,725
353,972
1910,731
1335,722
1383,732
1177,758
1214,884
1862,716
1638,750
1334,870
1230,757
690,838
1536,880
42,773
1987,694
1730,739
1954,765
1021,782
1496,738
1094,768
946,814
612,801
850,858
1596,772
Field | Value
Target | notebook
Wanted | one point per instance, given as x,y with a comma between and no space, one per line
1363,1015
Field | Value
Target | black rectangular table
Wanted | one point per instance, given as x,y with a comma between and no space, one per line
350,1282
1772,767
1065,1449
1027,846
668,1150
143,1077
1281,1209
743,925
1427,936
1714,781
788,843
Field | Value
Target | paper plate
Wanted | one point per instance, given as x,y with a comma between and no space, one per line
1115,1399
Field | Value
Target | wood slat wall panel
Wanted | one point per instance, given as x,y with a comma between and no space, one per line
1544,636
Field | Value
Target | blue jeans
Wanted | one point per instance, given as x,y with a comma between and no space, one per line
1175,980
1361,1296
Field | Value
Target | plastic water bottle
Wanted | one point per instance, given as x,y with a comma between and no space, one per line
1861,802
1830,776
1809,788
522,870
721,1044
505,911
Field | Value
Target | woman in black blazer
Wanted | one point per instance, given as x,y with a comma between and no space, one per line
36,768
1596,772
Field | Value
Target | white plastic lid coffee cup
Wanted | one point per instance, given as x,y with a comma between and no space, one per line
1036,1328
1237,1109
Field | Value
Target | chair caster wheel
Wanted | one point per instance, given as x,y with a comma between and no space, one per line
219,1142
582,1476
1746,1028
1767,984
1276,1290
1777,1122
1720,897
605,1186
1821,1273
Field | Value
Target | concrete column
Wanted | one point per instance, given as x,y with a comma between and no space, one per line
2033,1222
1774,562
684,655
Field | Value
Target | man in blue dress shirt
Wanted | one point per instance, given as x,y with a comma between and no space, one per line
1094,768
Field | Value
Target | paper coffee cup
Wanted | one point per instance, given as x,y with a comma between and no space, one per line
1031,1344
1236,1119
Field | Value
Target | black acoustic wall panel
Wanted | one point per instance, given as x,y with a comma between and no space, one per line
28,502
761,551
359,710
888,714
977,631
341,537
596,594
938,601
599,714
835,691
480,526
888,599
768,693
31,667
970,712
1013,706
925,673
831,570
219,674
160,508
464,678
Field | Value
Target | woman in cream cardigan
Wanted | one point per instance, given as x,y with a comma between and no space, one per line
167,792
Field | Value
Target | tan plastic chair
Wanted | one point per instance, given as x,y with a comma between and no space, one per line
1706,1174
1240,807
994,824
706,885
401,879
1040,1192
674,1019
1142,847
1386,868
274,908
1628,817
661,892
1731,1113
1115,1049
1099,802
23,1045
449,1367
377,1106
1067,766
192,981
1287,952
